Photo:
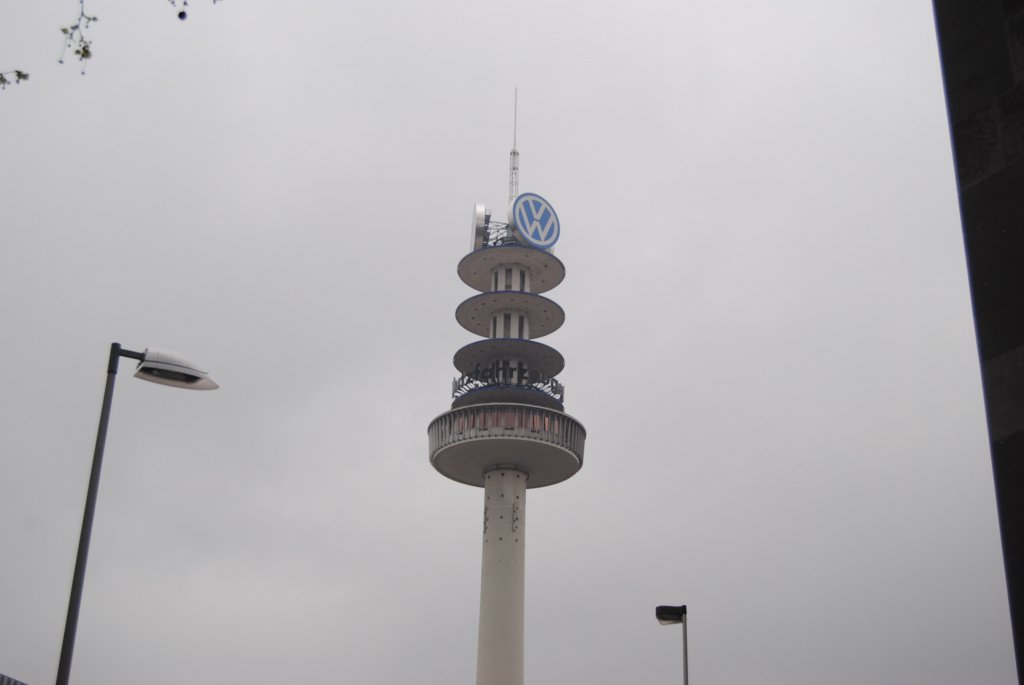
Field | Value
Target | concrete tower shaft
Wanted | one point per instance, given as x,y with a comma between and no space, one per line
502,579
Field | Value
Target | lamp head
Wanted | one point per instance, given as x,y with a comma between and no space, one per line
168,368
670,615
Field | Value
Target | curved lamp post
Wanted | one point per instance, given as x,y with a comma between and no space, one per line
667,616
158,366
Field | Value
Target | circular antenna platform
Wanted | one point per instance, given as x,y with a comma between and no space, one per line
545,315
538,356
546,270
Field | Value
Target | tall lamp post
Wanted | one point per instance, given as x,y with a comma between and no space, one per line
669,615
158,366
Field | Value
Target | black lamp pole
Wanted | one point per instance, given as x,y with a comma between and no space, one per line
671,615
71,625
686,661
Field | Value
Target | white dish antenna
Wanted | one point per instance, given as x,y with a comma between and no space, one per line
481,222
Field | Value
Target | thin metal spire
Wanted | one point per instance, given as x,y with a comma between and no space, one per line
513,157
515,115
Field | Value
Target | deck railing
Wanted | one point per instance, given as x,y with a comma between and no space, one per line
470,382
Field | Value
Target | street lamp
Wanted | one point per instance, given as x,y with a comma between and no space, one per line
668,615
158,366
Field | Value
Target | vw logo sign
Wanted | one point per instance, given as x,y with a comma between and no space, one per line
536,221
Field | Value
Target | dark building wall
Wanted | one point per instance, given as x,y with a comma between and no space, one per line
981,44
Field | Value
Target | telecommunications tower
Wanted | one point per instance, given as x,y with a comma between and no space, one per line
506,431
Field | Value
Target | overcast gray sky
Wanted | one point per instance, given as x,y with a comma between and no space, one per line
768,338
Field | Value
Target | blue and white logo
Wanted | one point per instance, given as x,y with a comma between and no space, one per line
536,220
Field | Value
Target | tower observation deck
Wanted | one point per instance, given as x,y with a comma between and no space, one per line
507,430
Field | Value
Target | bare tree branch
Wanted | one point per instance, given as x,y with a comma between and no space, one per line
14,76
74,36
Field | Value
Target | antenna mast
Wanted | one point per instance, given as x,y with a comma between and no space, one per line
513,157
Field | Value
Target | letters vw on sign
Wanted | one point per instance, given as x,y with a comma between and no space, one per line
536,220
